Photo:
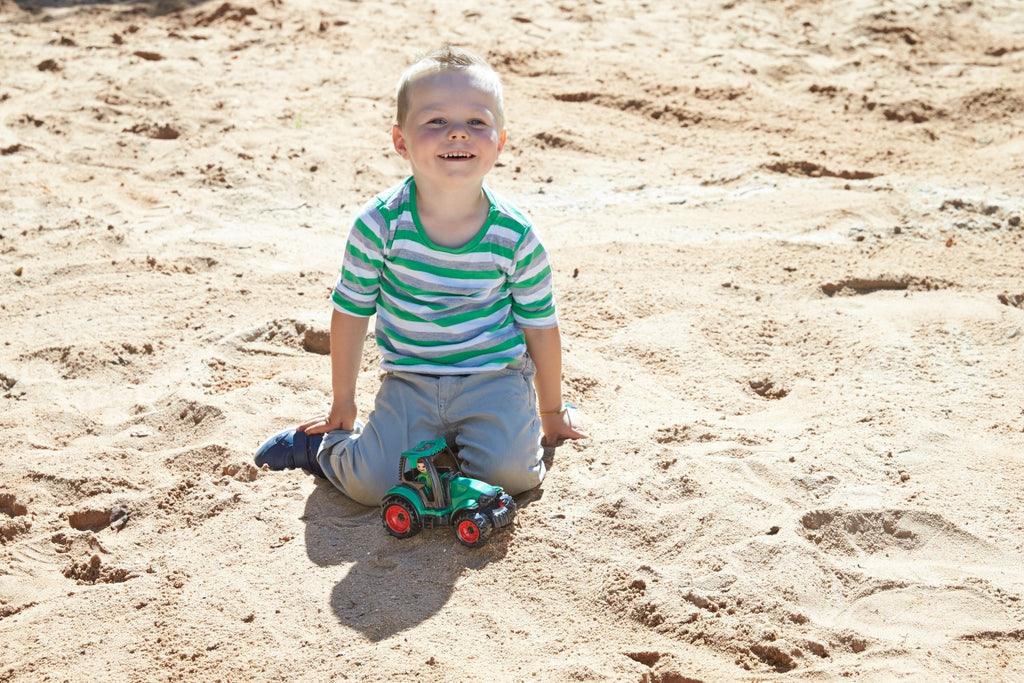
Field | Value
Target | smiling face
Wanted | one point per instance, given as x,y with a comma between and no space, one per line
452,133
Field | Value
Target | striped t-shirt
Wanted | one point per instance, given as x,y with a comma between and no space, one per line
440,310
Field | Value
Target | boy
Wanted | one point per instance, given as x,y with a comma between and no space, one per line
461,288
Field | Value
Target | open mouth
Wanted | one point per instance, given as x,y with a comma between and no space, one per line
457,155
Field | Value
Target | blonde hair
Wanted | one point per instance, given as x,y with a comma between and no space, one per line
449,58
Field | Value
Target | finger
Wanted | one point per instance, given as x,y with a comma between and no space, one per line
306,425
573,434
317,428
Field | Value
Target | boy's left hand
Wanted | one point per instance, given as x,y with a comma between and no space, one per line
558,427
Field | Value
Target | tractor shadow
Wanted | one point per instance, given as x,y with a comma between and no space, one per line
391,584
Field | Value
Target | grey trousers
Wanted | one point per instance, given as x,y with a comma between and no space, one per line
490,418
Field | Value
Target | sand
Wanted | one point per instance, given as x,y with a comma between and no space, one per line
788,250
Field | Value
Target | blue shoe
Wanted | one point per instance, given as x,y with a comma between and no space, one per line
291,449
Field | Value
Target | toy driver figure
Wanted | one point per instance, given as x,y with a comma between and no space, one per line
424,478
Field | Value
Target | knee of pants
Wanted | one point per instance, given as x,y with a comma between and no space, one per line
362,474
511,475
366,493
524,481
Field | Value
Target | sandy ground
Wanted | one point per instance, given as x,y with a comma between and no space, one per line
789,252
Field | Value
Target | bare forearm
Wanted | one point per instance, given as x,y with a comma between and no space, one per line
545,348
347,335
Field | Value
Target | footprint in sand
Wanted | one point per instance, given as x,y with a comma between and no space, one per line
205,459
924,615
282,337
176,423
901,534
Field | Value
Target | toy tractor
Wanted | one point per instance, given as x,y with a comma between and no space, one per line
430,495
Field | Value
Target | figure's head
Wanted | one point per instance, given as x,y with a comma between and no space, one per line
421,466
449,58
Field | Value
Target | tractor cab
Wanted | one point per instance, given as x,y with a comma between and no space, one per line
423,473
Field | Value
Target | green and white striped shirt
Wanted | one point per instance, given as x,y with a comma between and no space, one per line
439,310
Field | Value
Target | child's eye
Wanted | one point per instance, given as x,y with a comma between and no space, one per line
437,121
477,122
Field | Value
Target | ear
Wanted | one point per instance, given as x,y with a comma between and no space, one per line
399,141
502,139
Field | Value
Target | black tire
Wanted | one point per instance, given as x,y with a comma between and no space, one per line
472,528
399,518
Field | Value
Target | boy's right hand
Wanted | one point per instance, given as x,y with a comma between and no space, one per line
339,417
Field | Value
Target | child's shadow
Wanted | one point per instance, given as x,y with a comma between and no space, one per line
386,585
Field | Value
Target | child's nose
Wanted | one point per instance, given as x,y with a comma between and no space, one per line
457,133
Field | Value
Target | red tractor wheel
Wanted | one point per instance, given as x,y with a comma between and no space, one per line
472,528
400,518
